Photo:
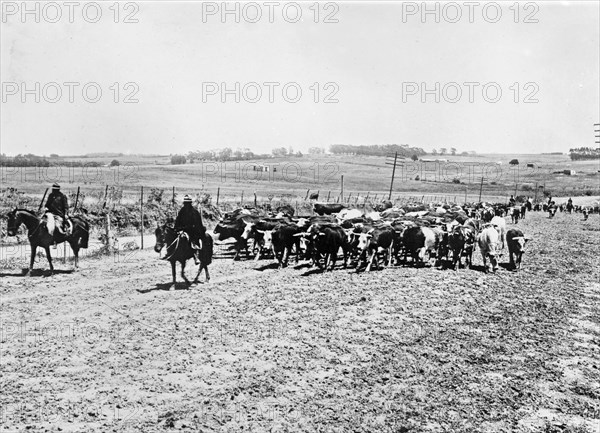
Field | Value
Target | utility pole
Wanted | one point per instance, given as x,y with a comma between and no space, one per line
393,174
480,189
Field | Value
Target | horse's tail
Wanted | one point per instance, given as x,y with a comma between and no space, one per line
206,254
84,226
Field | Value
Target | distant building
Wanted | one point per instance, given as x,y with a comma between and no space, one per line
569,172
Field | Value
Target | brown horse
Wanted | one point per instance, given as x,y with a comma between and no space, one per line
38,235
180,250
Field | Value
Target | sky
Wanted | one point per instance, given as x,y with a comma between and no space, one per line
376,59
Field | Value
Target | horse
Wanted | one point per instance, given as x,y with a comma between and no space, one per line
179,250
39,236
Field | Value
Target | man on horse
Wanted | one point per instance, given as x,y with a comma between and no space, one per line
189,220
57,207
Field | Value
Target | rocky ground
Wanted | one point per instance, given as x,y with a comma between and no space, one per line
111,348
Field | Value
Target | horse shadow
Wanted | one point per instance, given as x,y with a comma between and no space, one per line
165,287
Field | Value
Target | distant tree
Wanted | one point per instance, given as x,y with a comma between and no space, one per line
177,159
414,157
514,162
434,152
279,151
53,155
225,154
453,150
298,154
315,150
443,150
114,163
465,153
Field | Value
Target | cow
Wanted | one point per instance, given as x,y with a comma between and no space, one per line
417,241
551,211
375,241
281,240
488,241
515,213
499,224
255,230
234,228
586,213
516,241
326,240
328,208
441,243
523,210
461,241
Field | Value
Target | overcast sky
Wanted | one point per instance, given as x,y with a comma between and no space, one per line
369,53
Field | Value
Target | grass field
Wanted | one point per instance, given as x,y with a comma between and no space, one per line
294,176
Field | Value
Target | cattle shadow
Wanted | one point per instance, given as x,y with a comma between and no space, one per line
165,287
37,273
273,265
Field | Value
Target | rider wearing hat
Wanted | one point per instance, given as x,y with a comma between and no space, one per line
189,220
57,206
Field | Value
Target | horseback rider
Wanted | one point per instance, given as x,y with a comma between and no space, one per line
189,220
57,207
511,201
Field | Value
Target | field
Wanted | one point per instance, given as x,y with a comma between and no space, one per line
259,349
363,176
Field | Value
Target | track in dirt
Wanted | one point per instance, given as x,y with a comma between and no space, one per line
402,349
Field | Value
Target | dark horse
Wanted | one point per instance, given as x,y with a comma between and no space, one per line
180,250
38,235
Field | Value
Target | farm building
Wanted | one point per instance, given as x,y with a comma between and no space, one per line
569,172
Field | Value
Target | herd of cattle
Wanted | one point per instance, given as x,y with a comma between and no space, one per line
445,234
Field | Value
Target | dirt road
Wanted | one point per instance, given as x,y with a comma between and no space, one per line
260,349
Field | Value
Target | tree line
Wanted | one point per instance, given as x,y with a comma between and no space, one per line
584,153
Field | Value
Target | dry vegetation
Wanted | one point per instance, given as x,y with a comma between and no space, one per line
260,349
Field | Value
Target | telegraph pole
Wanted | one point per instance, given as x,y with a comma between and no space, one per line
393,175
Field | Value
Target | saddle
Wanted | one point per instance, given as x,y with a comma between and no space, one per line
54,224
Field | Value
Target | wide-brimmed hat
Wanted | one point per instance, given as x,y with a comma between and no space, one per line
55,186
187,199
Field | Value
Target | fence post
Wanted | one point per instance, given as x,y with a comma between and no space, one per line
254,198
242,199
307,193
218,193
328,194
173,199
142,215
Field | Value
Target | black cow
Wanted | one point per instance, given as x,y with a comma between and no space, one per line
515,213
326,240
328,208
516,241
461,241
375,241
281,240
234,228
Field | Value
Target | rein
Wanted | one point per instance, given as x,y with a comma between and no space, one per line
168,257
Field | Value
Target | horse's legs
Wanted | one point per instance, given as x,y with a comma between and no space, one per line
47,248
32,260
173,272
183,272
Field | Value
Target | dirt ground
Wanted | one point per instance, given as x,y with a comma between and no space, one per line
110,348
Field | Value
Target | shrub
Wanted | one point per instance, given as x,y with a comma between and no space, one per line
417,177
456,180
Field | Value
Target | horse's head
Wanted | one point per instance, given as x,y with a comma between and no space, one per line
160,241
13,223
